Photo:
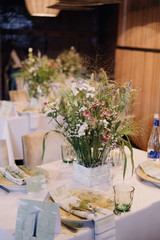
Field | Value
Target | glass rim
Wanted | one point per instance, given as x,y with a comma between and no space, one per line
127,190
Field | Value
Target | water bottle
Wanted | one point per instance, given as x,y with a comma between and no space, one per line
153,150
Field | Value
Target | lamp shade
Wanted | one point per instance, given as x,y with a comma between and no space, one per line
39,8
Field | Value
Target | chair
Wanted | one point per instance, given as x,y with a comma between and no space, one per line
33,146
19,83
4,159
19,95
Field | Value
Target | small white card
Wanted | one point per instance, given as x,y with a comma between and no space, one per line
149,168
37,220
36,184
7,109
60,193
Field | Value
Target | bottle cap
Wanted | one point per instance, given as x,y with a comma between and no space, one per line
156,116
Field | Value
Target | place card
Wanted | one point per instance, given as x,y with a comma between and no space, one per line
7,109
60,193
149,168
37,220
36,183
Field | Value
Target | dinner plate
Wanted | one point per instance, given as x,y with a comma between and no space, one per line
32,171
147,178
97,198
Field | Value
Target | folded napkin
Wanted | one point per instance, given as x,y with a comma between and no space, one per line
102,218
149,168
14,174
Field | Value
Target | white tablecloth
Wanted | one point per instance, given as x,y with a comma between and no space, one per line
12,129
141,223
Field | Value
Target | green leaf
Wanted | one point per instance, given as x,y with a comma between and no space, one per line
128,144
117,125
125,161
44,145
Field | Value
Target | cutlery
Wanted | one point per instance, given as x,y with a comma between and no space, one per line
70,228
5,189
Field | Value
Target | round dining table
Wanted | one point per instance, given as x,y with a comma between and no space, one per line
140,223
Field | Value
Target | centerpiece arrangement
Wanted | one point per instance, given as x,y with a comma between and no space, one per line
38,73
43,75
95,118
70,63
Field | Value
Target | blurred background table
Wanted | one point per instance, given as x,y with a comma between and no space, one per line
13,128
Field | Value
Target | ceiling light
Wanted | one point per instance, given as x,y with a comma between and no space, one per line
39,8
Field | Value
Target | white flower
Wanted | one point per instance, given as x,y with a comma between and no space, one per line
72,48
30,50
105,123
92,89
89,95
73,85
65,124
82,109
76,104
31,69
74,89
57,101
81,131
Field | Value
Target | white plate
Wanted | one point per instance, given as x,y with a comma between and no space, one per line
32,171
147,178
98,198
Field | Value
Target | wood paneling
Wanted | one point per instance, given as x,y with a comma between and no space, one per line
0,69
143,69
139,24
138,59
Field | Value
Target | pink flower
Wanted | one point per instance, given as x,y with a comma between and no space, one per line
45,103
105,138
86,114
94,107
101,103
91,119
54,64
107,113
101,115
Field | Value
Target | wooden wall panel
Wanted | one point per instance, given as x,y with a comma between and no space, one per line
139,24
144,71
138,58
0,68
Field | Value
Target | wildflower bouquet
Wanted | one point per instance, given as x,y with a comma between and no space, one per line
70,62
94,119
39,73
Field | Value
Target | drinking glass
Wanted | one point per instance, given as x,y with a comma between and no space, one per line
116,160
68,153
123,197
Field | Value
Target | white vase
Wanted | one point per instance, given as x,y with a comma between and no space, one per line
91,176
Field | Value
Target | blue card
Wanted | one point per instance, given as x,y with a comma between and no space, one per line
37,220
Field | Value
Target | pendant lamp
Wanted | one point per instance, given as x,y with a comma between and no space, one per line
40,8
